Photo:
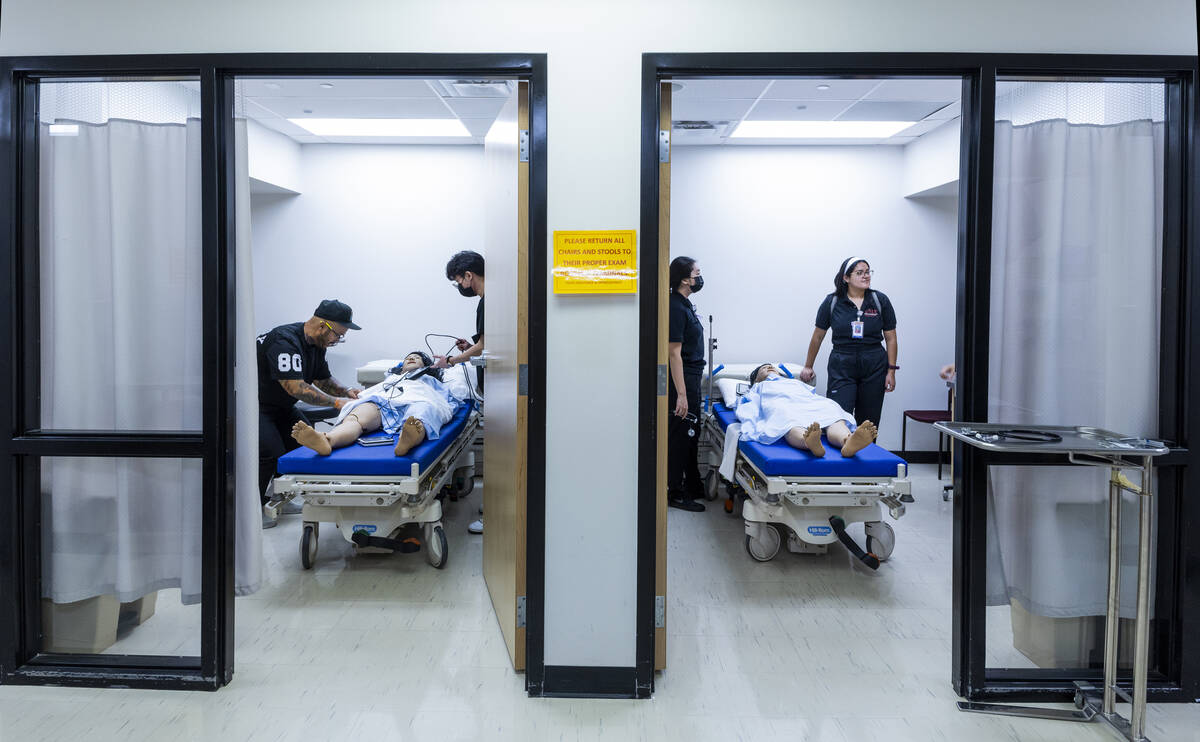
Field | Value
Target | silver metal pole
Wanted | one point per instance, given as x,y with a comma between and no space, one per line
1113,617
1141,630
708,400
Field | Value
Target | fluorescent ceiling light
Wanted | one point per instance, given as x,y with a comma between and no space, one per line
820,129
64,130
383,127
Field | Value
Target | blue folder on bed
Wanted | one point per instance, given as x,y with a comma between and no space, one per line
375,461
781,460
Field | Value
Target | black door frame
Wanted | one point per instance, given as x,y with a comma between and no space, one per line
1178,594
21,662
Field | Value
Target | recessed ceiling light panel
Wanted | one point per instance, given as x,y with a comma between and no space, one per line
383,127
819,129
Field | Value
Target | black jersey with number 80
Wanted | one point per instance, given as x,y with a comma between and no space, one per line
284,353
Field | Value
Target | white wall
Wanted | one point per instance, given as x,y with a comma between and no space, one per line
374,228
931,164
594,112
770,226
274,160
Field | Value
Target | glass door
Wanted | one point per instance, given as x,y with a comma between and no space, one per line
1082,316
116,456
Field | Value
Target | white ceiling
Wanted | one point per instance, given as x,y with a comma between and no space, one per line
272,101
706,111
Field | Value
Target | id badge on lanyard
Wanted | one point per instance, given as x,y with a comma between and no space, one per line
856,327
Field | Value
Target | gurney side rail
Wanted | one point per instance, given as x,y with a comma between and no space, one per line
824,491
778,485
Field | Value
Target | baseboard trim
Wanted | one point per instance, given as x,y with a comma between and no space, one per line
577,681
922,457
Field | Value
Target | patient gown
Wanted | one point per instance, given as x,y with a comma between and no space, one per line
775,405
431,401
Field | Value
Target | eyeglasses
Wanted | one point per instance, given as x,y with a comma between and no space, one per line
860,273
341,336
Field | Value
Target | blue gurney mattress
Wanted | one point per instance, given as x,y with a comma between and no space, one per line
781,460
374,461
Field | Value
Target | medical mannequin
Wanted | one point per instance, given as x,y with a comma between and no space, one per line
765,417
398,405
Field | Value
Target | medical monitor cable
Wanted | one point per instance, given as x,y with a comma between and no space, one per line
466,376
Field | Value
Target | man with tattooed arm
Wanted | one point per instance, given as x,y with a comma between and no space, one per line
291,367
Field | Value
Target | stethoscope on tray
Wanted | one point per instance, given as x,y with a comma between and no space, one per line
1017,434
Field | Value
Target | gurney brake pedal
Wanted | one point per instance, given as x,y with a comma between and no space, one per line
839,527
404,546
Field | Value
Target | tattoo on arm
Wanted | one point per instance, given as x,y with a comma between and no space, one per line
332,387
306,392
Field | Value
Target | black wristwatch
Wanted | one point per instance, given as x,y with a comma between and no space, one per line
894,368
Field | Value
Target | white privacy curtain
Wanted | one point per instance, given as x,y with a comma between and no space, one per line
248,576
1076,251
121,318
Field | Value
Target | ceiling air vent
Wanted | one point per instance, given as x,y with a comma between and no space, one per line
476,88
698,125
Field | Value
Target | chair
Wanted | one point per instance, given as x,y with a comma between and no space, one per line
314,413
928,417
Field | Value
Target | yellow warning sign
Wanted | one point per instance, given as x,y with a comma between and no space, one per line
595,262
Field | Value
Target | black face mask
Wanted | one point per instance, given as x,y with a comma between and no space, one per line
699,284
464,290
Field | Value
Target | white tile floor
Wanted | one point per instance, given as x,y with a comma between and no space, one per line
386,648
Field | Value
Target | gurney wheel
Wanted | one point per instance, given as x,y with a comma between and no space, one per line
436,550
712,484
463,486
881,539
308,545
766,549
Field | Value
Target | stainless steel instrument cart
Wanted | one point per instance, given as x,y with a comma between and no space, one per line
1090,447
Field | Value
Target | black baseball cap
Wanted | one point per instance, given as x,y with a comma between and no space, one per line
335,311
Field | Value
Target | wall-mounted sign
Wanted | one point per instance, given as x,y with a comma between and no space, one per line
595,262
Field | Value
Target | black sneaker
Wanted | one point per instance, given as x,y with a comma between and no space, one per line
689,505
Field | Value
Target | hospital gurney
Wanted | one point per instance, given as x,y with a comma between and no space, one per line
812,500
375,497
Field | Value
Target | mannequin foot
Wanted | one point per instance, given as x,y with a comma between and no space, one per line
860,439
812,439
309,438
412,432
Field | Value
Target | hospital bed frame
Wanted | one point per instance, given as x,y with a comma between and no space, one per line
813,510
371,511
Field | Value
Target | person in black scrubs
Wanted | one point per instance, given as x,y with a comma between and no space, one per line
465,269
291,367
860,369
685,355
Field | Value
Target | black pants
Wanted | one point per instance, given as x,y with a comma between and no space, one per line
856,380
683,441
274,440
